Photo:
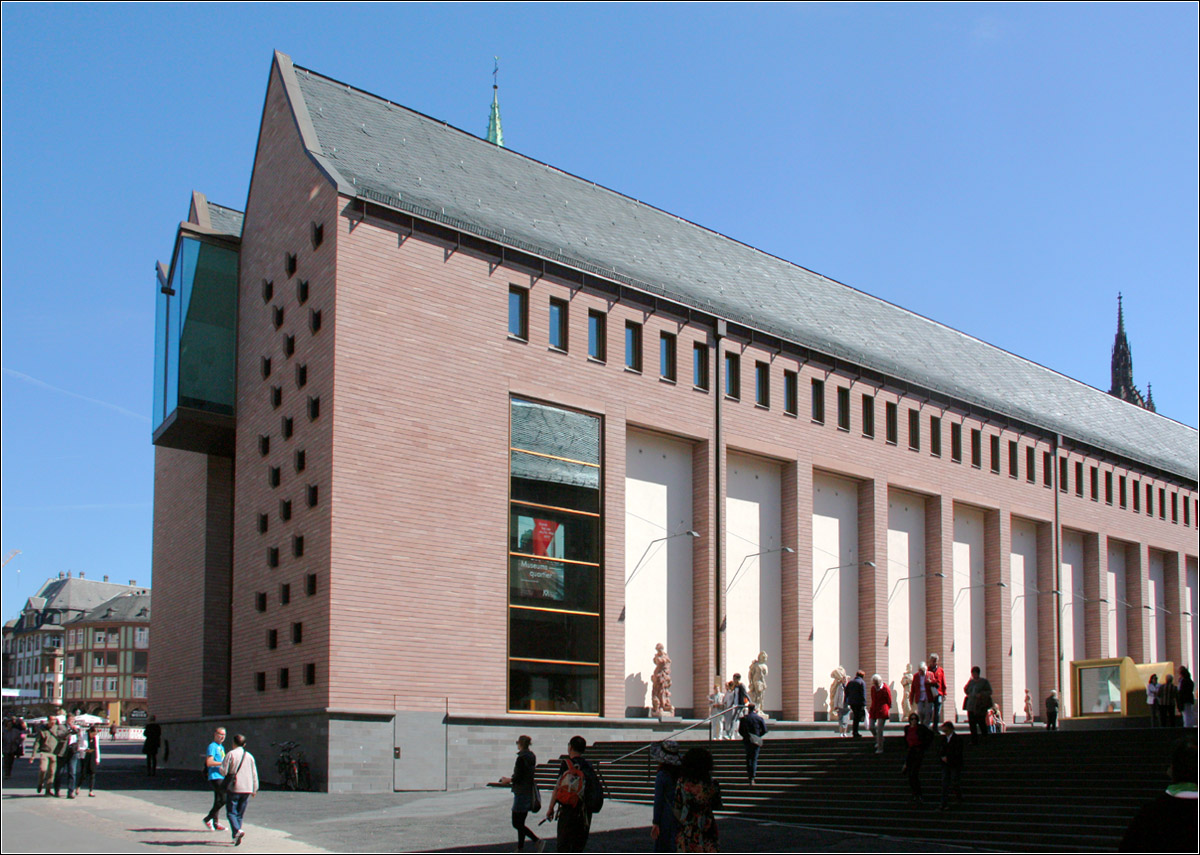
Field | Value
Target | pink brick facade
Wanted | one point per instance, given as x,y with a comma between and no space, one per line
414,371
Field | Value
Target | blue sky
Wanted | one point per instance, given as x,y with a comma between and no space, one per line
1004,169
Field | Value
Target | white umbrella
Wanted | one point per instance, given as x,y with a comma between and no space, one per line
88,719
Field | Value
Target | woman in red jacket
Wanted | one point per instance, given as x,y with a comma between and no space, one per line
881,708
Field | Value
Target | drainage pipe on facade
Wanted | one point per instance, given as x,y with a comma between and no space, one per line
719,331
1058,638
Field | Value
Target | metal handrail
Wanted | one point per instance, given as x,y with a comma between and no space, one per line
648,745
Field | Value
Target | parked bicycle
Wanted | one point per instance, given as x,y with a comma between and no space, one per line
292,767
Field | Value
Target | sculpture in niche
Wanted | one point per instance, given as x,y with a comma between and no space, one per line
758,680
660,682
906,683
836,692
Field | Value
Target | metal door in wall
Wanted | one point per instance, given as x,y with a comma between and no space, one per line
419,746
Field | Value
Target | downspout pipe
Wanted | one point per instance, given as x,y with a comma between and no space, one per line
1058,595
720,330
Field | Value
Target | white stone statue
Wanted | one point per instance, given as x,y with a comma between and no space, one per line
906,683
758,680
660,682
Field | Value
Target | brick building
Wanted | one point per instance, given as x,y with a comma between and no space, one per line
107,655
448,440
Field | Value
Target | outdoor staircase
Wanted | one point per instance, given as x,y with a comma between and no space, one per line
1071,790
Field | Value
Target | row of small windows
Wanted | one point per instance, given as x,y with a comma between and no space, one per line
283,679
1126,490
518,327
285,593
297,636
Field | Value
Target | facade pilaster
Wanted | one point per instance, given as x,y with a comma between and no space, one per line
1095,569
939,589
997,599
1137,594
872,581
1175,602
704,597
613,663
797,582
1047,617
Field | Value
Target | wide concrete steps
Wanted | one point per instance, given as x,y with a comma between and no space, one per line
1073,791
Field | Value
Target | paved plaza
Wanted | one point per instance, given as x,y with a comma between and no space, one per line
134,813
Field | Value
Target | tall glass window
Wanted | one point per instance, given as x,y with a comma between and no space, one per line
555,535
558,323
597,335
633,346
518,312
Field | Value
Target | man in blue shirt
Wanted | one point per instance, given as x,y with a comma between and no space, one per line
212,764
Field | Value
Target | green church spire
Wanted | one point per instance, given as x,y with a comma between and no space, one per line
495,134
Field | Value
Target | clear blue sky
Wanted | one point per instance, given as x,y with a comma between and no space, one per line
1003,169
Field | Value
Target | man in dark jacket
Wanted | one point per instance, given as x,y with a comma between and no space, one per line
979,700
752,728
856,699
950,756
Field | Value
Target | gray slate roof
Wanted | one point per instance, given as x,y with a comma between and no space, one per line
70,596
127,607
395,155
225,220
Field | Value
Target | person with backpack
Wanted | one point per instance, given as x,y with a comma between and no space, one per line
578,794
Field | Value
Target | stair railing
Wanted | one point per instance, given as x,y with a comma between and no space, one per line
648,745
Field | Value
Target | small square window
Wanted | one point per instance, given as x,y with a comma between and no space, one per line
273,476
276,396
262,523
289,263
272,639
762,384
318,234
1014,459
268,290
265,367
286,426
260,681
558,324
518,312
914,430
289,345
277,317
314,408
868,416
283,678
301,460
700,365
297,633
310,584
935,436
666,356
733,376
791,393
301,291
312,495
314,320
633,346
298,545
301,375
310,674
285,509
260,601
264,444
891,417
272,556
597,335
818,401
285,594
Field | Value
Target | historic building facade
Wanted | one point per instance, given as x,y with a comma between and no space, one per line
106,659
498,431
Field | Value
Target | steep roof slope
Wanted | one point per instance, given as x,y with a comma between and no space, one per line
407,160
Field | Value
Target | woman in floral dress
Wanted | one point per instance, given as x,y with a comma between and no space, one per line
697,795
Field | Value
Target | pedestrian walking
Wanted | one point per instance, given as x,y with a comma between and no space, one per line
716,703
525,793
753,729
242,787
856,699
978,701
950,755
881,709
729,719
153,739
68,736
1187,697
917,738
1052,710
575,797
90,760
1152,688
14,743
663,826
214,755
697,797
936,691
838,705
918,695
45,752
1168,697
